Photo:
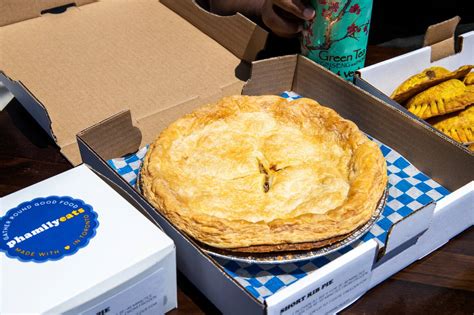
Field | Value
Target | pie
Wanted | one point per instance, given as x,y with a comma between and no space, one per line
426,79
263,174
444,98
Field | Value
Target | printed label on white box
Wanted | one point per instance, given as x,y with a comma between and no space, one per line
330,289
144,297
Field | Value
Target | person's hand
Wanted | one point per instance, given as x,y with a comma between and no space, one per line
285,18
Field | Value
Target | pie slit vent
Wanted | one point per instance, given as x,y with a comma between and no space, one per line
263,174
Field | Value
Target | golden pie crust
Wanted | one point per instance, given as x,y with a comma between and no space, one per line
425,79
260,173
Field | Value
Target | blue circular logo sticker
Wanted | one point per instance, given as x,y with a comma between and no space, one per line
47,228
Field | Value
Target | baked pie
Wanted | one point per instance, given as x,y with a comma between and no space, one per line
425,79
262,174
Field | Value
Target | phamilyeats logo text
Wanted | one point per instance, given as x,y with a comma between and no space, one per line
47,228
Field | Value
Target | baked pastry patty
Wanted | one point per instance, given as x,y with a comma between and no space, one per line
249,171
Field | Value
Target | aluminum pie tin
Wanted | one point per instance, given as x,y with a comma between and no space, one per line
294,256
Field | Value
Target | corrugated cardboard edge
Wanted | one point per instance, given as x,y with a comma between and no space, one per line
5,96
247,39
13,11
115,131
37,110
441,38
32,105
273,76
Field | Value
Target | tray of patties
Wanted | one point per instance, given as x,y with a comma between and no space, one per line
443,98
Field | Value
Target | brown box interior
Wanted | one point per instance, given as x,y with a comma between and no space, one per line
103,57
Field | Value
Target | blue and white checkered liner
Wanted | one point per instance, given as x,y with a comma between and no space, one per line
129,166
409,189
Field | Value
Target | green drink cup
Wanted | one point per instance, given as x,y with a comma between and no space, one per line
337,36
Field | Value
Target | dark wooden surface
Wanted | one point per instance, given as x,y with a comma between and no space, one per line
441,283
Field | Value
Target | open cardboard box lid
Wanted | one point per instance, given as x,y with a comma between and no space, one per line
75,69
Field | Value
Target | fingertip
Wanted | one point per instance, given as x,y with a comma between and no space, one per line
308,13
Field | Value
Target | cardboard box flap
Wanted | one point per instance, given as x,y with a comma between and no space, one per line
13,11
321,85
247,39
115,136
441,38
90,63
30,103
280,69
413,225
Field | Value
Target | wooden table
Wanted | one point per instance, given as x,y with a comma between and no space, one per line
441,283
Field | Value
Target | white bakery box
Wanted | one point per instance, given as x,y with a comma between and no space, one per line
72,244
383,78
117,109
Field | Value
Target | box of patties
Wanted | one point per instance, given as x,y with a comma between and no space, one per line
434,84
72,244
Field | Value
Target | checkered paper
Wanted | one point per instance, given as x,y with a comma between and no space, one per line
409,189
129,166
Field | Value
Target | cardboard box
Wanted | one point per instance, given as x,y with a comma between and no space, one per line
71,244
123,107
383,78
362,267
